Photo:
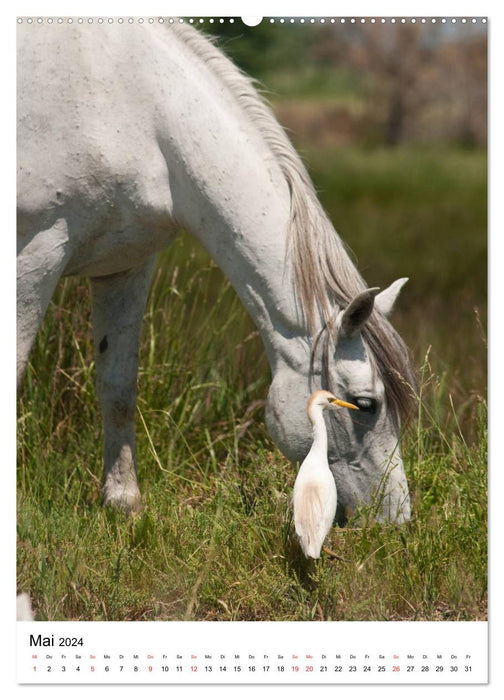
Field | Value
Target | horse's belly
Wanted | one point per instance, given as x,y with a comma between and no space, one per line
118,250
104,236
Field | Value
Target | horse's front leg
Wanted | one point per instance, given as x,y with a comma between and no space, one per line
41,261
118,308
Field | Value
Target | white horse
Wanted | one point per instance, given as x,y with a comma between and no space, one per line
128,133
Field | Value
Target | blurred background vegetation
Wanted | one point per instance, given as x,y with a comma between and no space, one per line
368,84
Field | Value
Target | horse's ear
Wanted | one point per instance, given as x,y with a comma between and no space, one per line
357,312
385,300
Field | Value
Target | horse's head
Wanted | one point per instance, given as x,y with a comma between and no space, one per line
364,362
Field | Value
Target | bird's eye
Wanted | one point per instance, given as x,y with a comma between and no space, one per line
366,404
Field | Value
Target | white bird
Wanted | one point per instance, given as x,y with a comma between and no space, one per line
315,496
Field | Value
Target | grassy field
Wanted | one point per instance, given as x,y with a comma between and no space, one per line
215,540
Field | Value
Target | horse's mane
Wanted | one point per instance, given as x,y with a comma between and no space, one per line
325,277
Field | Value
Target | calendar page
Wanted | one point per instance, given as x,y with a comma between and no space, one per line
253,652
251,346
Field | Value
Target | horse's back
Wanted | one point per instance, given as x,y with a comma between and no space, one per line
77,85
88,111
124,131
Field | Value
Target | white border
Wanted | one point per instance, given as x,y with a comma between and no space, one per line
257,8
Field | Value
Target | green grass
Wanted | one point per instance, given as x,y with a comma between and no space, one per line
215,539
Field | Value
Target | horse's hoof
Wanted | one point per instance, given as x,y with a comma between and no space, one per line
127,503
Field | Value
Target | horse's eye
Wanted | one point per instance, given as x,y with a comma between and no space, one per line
366,404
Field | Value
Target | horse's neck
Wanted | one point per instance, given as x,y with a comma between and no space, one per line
247,238
228,191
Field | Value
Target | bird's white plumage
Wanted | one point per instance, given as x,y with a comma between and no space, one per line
315,496
315,500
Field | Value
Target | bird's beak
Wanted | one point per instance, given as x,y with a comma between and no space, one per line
343,404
